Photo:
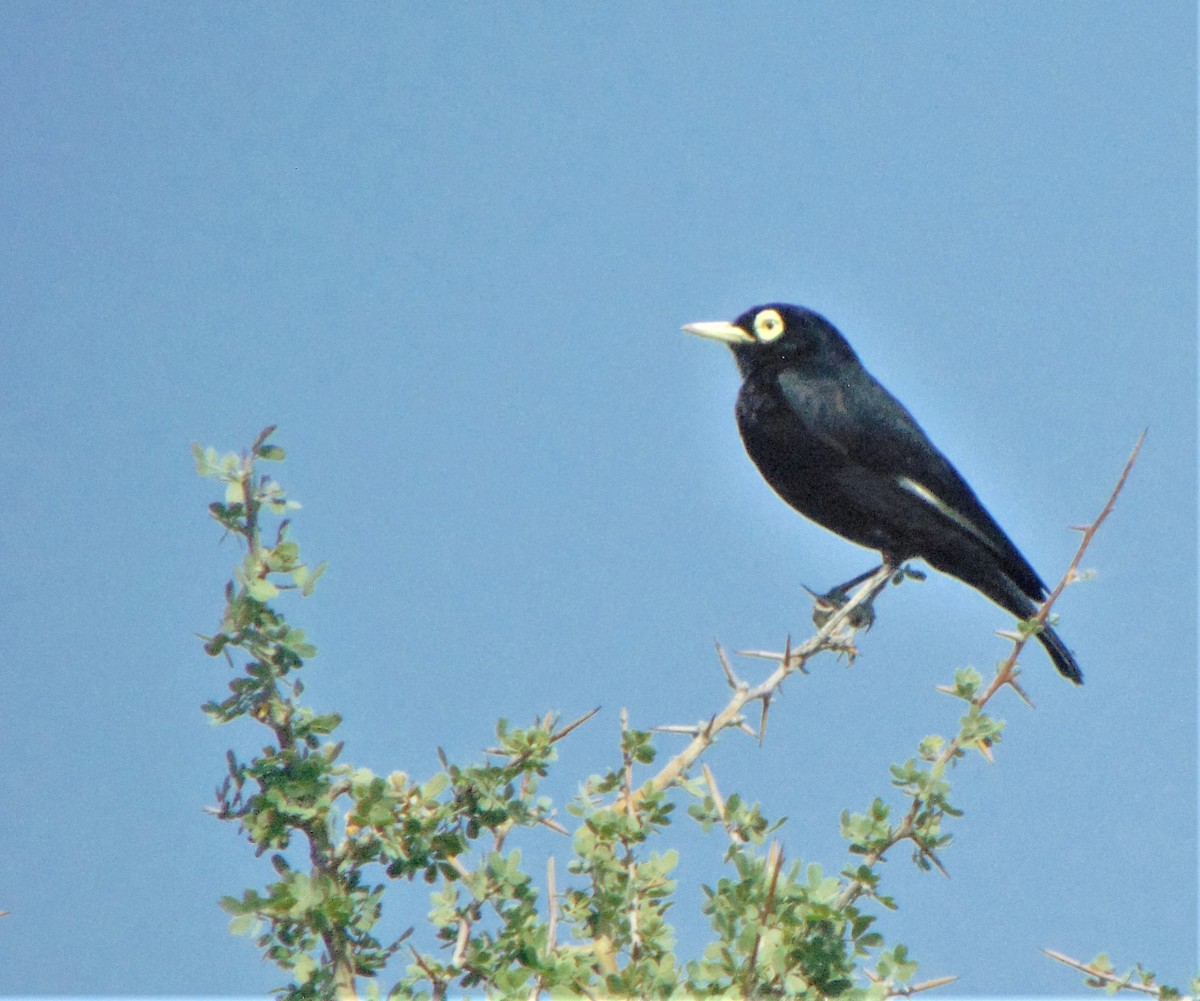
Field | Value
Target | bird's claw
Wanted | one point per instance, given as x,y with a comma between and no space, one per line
826,606
906,572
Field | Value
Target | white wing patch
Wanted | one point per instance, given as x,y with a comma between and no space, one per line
944,509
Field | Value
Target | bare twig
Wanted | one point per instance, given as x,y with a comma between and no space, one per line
683,728
461,940
719,806
627,769
927,985
773,866
437,985
559,734
547,726
554,825
905,992
734,681
926,851
552,904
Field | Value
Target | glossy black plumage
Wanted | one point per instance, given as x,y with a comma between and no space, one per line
842,451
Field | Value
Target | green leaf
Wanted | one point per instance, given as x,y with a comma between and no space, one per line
243,924
435,786
261,590
310,581
205,458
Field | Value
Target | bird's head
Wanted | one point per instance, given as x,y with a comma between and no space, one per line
778,334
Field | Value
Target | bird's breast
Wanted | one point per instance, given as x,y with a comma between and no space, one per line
786,435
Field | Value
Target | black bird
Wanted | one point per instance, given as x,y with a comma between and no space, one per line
841,450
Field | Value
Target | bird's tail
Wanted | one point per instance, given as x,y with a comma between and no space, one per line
994,583
1007,595
1062,657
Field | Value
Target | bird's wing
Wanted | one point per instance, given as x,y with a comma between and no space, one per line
866,426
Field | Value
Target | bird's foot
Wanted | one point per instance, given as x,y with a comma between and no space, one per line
906,572
826,605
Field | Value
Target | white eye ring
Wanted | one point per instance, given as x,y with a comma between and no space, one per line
768,325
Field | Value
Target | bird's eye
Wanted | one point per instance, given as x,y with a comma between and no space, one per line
768,325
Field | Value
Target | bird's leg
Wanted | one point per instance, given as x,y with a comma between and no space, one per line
826,605
863,617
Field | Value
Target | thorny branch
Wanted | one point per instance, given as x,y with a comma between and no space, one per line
907,992
1112,982
831,637
1006,674
828,637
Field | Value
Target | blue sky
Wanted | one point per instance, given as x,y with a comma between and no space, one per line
448,249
